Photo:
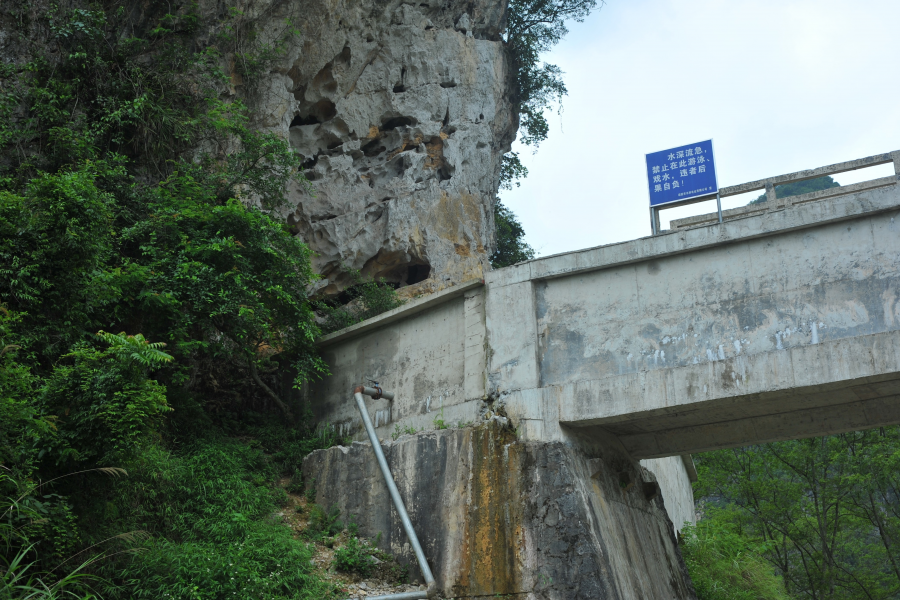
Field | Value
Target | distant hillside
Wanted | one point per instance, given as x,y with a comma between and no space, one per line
800,187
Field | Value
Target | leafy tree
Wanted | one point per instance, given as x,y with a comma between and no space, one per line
117,221
800,187
534,27
827,509
511,245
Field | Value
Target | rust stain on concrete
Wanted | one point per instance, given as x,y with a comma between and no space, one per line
494,533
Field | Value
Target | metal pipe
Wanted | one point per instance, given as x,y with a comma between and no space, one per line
395,494
400,596
377,392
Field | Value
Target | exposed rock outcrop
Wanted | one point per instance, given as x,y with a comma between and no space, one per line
399,110
497,516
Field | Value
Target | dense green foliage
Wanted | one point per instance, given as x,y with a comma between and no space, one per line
136,197
800,187
511,245
826,510
725,565
115,222
22,519
353,557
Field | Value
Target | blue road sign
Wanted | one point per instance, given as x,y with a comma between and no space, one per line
681,174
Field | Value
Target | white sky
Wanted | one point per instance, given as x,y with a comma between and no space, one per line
780,86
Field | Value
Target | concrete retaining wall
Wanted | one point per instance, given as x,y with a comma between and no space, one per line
498,516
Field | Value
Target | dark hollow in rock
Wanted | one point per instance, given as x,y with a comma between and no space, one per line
417,273
373,148
398,122
321,111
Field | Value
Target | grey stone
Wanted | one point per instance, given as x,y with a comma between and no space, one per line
400,112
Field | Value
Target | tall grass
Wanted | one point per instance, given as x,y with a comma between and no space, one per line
21,577
726,566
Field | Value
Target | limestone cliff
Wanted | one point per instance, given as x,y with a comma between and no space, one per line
399,110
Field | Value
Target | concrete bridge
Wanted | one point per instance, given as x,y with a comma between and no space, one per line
782,322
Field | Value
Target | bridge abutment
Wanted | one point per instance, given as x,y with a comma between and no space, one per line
500,516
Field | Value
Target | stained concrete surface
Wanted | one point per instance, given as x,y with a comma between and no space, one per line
497,516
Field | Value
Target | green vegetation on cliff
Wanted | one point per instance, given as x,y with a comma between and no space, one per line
534,27
136,197
511,244
725,565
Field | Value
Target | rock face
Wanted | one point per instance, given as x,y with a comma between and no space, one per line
400,113
497,516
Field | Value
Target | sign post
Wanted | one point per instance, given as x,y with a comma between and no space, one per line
679,176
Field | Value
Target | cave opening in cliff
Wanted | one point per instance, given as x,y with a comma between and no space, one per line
417,273
321,111
301,120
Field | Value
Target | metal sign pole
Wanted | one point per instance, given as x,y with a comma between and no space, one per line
719,206
653,221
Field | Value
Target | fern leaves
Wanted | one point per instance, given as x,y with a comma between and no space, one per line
136,348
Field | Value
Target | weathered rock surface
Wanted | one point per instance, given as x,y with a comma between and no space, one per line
498,516
400,113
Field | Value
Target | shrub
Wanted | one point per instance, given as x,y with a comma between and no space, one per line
208,510
266,563
324,523
353,557
38,530
363,300
286,445
213,493
104,400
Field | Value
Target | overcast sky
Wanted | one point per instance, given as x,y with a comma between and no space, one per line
780,86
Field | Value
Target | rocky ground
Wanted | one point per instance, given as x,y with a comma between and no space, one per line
387,577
